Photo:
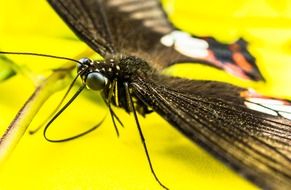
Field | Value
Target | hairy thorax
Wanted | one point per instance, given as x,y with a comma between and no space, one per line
121,67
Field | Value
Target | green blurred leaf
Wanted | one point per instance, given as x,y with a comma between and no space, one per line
6,70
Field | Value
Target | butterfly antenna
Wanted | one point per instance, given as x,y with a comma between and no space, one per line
58,106
78,135
141,136
40,55
60,112
64,107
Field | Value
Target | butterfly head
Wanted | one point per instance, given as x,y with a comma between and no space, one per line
92,77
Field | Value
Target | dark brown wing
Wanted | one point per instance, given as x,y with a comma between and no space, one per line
214,115
141,28
88,20
121,26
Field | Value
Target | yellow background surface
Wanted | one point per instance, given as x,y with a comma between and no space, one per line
100,160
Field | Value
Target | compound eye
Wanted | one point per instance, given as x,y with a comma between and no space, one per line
96,81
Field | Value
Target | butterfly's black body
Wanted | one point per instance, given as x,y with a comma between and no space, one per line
129,35
119,70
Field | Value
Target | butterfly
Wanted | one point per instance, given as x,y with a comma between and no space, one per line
136,39
249,132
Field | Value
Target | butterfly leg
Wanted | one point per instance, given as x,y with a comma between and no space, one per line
108,103
130,101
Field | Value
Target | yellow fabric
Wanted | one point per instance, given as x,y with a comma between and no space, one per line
100,160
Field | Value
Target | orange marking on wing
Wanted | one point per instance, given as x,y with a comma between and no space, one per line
242,62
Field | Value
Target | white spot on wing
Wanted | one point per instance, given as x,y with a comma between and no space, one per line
266,101
188,51
286,115
167,40
270,106
277,105
285,108
186,44
259,108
